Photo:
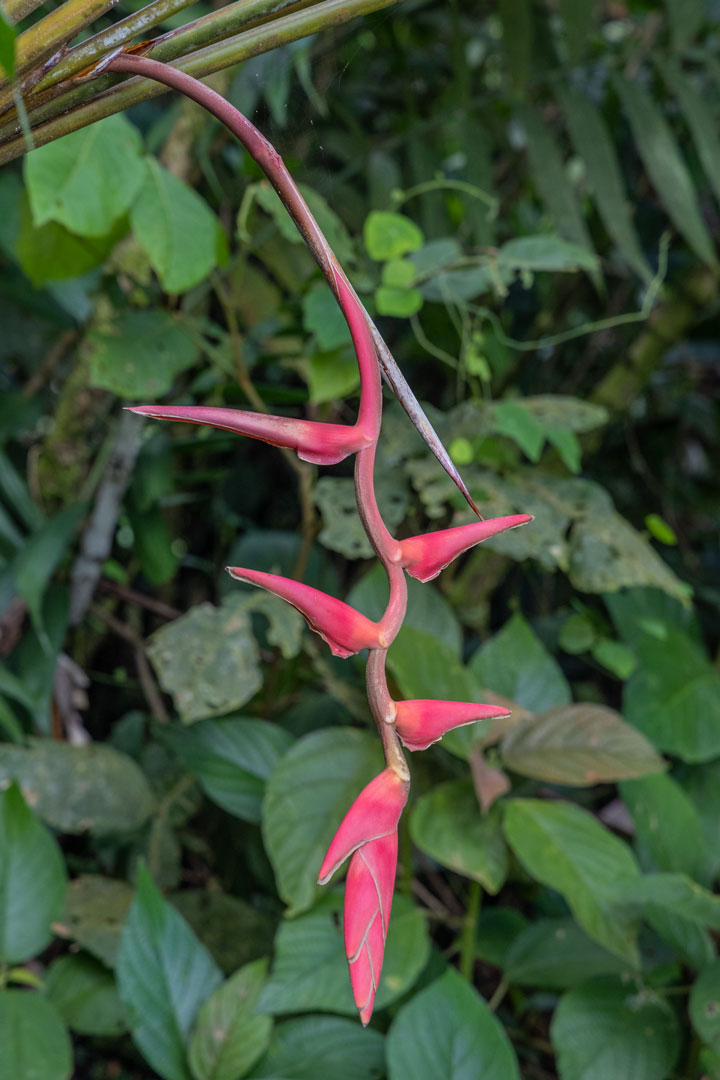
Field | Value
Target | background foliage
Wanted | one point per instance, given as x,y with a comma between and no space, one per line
526,193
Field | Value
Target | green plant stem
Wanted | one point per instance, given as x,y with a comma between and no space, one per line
57,29
16,10
469,933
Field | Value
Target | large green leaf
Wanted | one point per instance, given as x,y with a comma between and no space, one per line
686,17
705,1006
95,911
330,1047
666,168
88,179
447,1032
596,148
140,353
176,227
79,788
164,975
607,1028
566,848
35,1043
673,893
517,665
448,825
702,784
39,558
231,929
228,1037
32,880
53,253
667,827
310,969
579,745
342,528
555,954
232,758
308,794
85,995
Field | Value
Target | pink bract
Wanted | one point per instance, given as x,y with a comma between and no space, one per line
426,555
423,721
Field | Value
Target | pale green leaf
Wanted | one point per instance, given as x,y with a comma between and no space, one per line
330,1047
84,993
390,236
140,353
36,1045
228,1038
667,828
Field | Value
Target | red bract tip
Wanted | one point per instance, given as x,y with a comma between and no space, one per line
421,722
426,555
345,630
368,833
321,444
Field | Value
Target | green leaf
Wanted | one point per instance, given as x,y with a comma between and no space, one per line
330,1047
331,375
399,273
228,1037
176,227
323,318
660,530
546,252
555,954
207,660
88,179
579,22
517,424
153,544
233,931
567,446
698,114
52,253
331,225
667,827
78,789
32,880
565,847
615,656
705,1006
342,528
676,894
702,784
40,556
7,47
517,665
548,172
448,825
577,635
140,354
686,18
95,912
35,1044
307,795
674,696
447,1032
398,301
597,150
232,758
390,236
608,1028
517,40
665,165
310,969
579,745
164,975
85,996
427,609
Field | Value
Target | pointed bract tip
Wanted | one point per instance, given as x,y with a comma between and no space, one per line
423,721
374,815
424,556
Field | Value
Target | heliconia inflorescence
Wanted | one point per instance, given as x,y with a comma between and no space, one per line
368,833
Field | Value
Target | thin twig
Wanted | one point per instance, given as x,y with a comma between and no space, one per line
132,596
147,679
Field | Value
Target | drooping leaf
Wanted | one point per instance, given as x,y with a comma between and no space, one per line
667,826
327,1046
555,954
84,993
705,1006
33,1037
665,165
88,179
697,113
447,1032
448,825
32,880
307,795
310,969
140,353
517,665
51,253
164,975
546,252
608,1028
232,758
228,1038
579,745
566,848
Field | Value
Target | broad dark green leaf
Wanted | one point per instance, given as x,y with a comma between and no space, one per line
665,165
176,227
307,796
330,1047
667,827
607,1028
566,848
84,993
579,745
448,825
498,928
232,758
555,954
164,975
77,789
331,375
35,1043
228,1038
231,929
595,147
517,665
39,558
323,317
32,880
671,892
702,784
686,17
310,969
447,1032
88,179
140,353
50,253
95,911
705,1006
698,114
